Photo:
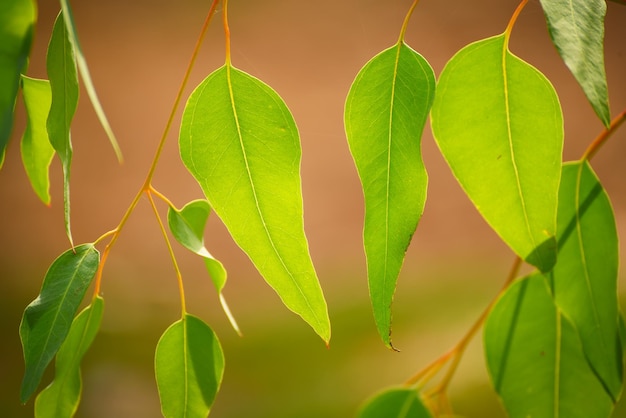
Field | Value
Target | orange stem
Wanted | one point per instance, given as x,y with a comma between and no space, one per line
604,136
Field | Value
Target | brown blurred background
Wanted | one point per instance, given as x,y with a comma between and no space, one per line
309,52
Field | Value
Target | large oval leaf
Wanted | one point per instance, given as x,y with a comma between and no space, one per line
240,142
385,113
498,123
395,403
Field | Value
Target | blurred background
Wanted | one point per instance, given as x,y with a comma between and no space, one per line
309,52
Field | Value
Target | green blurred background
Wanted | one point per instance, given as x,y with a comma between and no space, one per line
309,52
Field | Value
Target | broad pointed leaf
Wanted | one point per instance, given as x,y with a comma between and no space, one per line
395,403
17,20
62,396
577,30
189,366
37,152
385,113
535,358
240,142
498,123
47,320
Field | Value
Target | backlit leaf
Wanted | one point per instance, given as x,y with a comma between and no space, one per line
189,366
395,403
61,397
498,123
47,320
385,113
240,142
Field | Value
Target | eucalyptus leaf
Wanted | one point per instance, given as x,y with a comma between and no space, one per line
240,142
189,366
61,398
395,403
385,113
498,123
47,320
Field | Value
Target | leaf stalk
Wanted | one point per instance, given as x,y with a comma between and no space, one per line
601,139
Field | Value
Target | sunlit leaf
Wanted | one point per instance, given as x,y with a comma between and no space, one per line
498,123
189,365
37,152
584,279
17,20
47,320
535,358
395,403
240,142
577,31
385,113
61,397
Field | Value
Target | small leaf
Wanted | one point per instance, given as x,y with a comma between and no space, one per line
498,123
577,30
241,144
47,320
535,358
17,20
395,403
62,396
189,366
385,113
37,152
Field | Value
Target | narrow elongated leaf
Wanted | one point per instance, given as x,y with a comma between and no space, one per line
63,77
498,123
240,142
189,366
385,113
395,403
535,358
577,30
61,397
17,20
584,279
47,320
37,152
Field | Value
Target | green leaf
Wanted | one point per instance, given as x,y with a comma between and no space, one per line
187,226
47,320
577,30
241,144
61,397
189,366
37,152
498,123
395,403
535,358
385,113
63,77
17,20
584,279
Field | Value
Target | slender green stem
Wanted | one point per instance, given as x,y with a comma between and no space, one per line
162,197
604,136
405,24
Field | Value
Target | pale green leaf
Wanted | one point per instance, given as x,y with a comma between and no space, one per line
240,142
577,30
189,366
37,152
385,113
535,358
498,123
61,398
47,320
395,403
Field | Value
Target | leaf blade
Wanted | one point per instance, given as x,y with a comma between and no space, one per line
398,402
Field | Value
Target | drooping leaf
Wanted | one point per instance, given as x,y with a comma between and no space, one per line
385,113
535,358
498,123
395,403
63,77
47,320
62,396
584,279
240,142
17,20
189,366
187,226
37,152
577,30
